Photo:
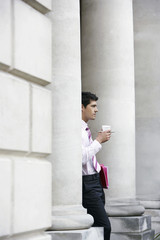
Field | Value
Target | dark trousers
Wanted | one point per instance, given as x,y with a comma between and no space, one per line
94,201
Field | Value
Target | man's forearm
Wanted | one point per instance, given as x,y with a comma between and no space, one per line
89,151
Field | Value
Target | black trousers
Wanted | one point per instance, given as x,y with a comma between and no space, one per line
94,201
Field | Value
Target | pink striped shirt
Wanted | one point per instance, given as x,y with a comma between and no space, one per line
89,149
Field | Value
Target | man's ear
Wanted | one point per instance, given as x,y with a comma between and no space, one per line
82,107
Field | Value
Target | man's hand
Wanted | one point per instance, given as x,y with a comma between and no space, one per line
103,136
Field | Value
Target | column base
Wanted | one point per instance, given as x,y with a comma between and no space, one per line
153,209
151,204
147,235
155,218
126,208
127,221
94,233
70,218
131,228
130,224
29,236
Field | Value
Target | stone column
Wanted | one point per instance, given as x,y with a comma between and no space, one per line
108,71
147,72
67,213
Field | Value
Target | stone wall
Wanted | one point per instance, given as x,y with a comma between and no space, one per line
25,119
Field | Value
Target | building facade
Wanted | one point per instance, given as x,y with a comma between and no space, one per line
51,50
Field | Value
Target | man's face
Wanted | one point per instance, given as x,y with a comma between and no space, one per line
89,113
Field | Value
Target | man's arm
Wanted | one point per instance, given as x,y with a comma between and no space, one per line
91,150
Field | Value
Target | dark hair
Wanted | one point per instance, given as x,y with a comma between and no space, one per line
87,97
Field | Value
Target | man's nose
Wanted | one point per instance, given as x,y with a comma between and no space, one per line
96,109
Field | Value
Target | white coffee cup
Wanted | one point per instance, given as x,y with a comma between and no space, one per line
106,127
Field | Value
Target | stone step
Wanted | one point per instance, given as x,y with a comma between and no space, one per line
146,235
130,224
155,218
94,233
156,224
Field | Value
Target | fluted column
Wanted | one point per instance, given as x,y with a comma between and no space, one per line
108,71
67,212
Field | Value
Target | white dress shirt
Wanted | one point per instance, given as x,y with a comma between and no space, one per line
89,149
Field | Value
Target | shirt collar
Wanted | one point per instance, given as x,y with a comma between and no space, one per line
84,125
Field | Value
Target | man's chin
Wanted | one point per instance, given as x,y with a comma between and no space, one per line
92,118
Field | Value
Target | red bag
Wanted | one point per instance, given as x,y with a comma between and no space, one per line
104,176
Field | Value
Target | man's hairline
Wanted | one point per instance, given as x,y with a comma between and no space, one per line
91,100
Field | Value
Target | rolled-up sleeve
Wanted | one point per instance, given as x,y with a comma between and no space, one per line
89,151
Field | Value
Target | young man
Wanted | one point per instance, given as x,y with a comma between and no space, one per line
93,194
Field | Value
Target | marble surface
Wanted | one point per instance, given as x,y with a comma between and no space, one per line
146,235
31,236
125,210
152,212
147,72
5,32
108,71
66,93
31,194
32,43
26,116
15,112
25,121
155,218
130,224
71,221
5,195
94,233
41,120
43,6
151,204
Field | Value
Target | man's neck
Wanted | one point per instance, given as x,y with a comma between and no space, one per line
85,120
